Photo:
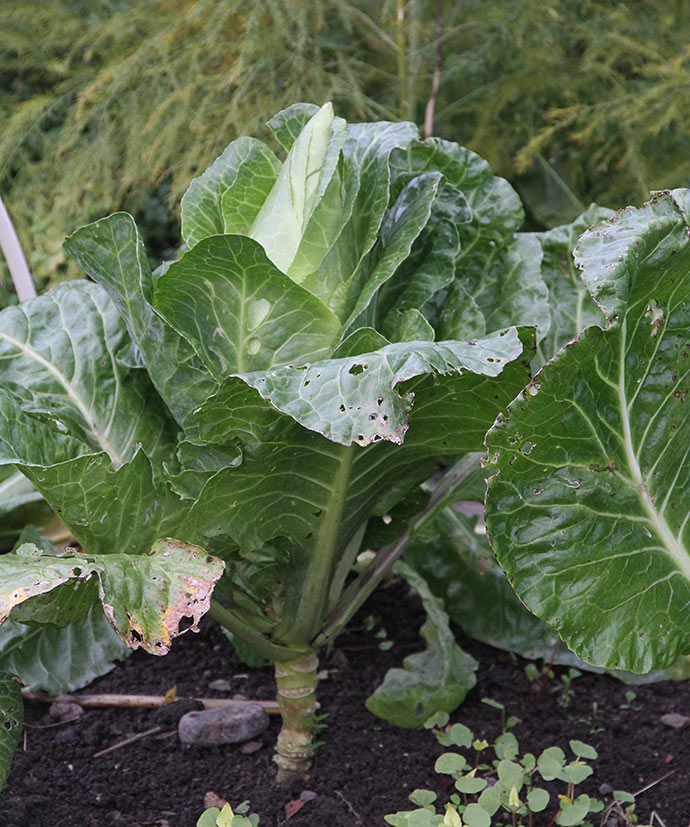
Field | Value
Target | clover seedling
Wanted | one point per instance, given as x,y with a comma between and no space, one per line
240,817
505,786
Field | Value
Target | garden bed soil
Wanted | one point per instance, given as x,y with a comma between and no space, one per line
365,769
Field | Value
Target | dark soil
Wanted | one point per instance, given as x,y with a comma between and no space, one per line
366,767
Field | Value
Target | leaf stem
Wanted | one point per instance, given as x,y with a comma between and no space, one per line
305,622
263,645
360,589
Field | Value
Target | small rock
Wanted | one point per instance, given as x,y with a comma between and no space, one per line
65,711
211,799
239,697
232,724
220,685
668,758
605,789
250,746
675,720
308,795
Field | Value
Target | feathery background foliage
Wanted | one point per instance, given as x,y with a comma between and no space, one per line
117,104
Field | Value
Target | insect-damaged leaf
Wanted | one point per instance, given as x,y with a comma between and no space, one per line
356,399
145,597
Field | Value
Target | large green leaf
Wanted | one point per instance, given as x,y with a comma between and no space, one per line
401,226
109,511
77,398
429,268
111,252
508,286
57,660
496,209
366,189
15,490
240,312
588,507
67,355
497,272
11,719
356,399
287,124
497,213
437,679
460,567
144,596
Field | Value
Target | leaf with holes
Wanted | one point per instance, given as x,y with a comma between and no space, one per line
145,597
589,500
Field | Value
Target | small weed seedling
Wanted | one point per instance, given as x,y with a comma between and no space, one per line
227,817
503,791
540,678
565,689
506,723
629,698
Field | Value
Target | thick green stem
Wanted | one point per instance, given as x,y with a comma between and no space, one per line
359,590
296,694
309,613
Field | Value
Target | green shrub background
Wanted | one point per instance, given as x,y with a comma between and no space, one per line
116,104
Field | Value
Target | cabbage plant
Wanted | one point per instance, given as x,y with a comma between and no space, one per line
220,432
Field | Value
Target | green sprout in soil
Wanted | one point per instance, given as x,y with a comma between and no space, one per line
227,817
506,791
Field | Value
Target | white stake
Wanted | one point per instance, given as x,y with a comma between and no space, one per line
19,270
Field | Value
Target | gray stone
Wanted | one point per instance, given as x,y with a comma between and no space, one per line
220,685
231,724
65,711
675,720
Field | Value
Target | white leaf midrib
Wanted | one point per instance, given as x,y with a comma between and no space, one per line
98,434
672,545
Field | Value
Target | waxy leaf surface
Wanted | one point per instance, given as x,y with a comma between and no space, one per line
56,661
247,169
67,355
240,312
355,399
111,252
589,507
